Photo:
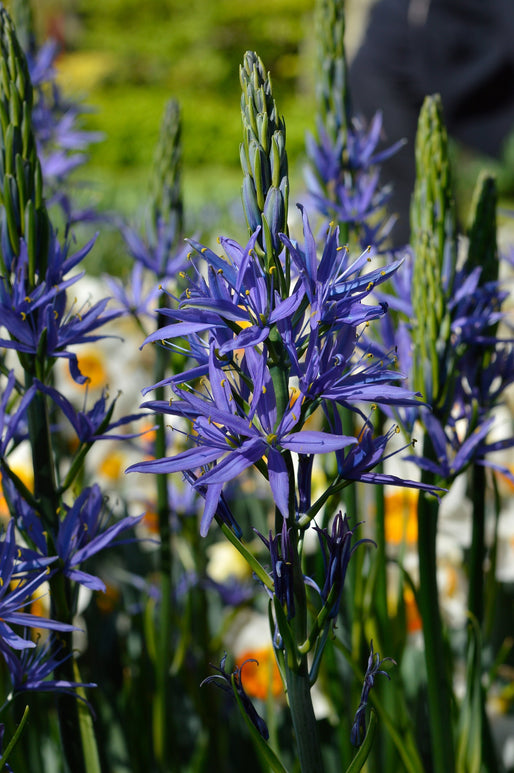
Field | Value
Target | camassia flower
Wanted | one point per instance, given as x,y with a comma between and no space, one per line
232,682
30,669
14,599
38,319
237,295
81,533
270,350
337,550
237,439
372,671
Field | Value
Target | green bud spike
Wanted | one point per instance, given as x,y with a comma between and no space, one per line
263,158
166,188
21,181
433,239
483,247
332,92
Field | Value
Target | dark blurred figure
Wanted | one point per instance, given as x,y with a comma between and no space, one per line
462,49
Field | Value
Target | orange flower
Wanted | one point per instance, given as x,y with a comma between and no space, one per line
263,677
414,622
401,517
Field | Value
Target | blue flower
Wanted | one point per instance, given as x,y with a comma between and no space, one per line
131,294
37,318
157,252
30,669
12,424
282,566
343,178
232,682
225,433
373,669
12,600
336,550
238,298
95,423
81,535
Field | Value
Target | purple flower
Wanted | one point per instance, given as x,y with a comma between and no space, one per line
343,178
131,295
374,668
14,600
95,423
37,318
238,298
12,424
235,439
231,683
157,252
282,566
81,535
30,669
336,550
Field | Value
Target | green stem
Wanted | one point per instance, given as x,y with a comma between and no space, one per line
162,731
438,685
45,490
46,494
67,705
304,721
477,553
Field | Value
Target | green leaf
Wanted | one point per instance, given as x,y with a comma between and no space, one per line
362,755
89,748
14,739
264,751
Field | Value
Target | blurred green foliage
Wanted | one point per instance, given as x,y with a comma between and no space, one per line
130,57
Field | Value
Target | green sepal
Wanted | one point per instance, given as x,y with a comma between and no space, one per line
11,207
21,180
15,110
263,749
31,238
362,755
256,162
27,137
9,143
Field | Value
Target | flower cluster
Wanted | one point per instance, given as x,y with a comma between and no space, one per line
49,533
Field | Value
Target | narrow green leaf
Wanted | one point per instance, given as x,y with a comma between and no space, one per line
89,747
264,751
14,739
362,755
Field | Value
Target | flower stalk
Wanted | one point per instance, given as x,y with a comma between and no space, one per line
434,245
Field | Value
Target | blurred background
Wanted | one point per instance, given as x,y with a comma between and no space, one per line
125,59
